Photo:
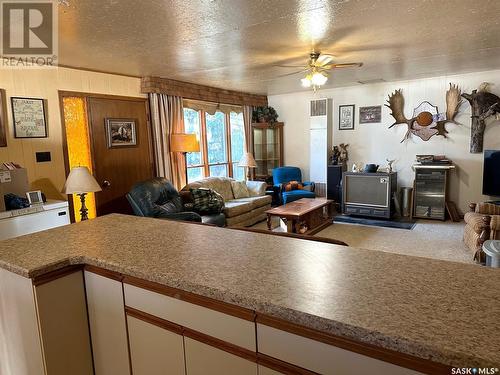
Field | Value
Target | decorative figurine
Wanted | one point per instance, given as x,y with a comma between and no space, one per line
389,165
344,155
334,158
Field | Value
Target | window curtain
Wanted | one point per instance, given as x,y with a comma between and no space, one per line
247,123
167,118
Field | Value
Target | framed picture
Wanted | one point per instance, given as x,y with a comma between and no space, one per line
34,197
3,119
346,117
121,132
29,117
368,115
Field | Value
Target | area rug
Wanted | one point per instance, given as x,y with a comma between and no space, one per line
393,223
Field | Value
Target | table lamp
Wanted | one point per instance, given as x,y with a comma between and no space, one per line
247,161
184,143
81,182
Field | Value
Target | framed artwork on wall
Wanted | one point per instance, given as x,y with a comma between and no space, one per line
29,117
369,115
3,119
121,132
346,117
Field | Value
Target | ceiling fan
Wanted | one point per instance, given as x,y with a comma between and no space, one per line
317,69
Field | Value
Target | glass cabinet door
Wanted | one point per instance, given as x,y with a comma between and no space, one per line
267,143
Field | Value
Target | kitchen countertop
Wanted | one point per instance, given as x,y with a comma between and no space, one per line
444,311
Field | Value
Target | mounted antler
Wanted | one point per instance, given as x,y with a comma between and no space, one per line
397,105
453,102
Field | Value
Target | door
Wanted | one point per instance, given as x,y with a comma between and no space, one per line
119,166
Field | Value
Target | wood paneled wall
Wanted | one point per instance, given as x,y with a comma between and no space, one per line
200,92
45,83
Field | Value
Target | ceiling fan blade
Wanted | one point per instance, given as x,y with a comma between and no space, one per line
324,60
346,65
289,66
291,74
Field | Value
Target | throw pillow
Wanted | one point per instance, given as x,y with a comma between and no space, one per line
293,185
240,189
207,201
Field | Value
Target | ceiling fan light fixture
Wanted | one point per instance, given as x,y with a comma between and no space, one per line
319,79
306,82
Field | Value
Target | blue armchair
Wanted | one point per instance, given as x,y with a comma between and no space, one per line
284,175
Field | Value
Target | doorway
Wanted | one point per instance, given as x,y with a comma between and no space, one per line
111,136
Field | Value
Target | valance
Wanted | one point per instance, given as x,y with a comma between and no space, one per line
211,108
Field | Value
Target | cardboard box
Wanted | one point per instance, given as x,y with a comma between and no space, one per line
13,181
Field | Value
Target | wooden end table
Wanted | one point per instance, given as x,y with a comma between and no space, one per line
306,215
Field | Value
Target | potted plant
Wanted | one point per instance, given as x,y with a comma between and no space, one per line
265,114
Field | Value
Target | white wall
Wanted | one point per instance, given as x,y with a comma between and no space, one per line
45,84
373,143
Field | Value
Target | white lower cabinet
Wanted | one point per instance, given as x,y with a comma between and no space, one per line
320,357
203,359
108,329
154,350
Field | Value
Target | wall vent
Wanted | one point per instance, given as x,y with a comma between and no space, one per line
318,107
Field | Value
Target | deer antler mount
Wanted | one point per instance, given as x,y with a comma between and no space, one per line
426,121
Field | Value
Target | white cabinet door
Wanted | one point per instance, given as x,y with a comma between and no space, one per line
108,329
154,350
202,359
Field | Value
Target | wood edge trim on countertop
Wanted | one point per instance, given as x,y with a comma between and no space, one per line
104,272
56,274
221,344
369,350
281,366
151,319
212,304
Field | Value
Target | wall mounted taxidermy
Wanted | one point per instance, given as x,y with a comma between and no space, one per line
484,104
426,121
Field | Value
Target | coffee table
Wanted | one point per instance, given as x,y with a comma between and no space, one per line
306,215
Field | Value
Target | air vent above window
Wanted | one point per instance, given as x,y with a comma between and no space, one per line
318,107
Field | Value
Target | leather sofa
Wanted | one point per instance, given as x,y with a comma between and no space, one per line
282,176
481,223
238,212
158,198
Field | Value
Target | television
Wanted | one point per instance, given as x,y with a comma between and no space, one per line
491,173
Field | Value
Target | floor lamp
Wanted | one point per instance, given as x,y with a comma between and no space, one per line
184,143
247,161
81,182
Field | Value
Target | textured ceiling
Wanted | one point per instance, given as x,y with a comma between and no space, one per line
234,44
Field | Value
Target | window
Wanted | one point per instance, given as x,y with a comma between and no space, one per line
222,138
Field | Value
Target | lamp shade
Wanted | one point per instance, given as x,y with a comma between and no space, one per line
80,181
184,143
247,161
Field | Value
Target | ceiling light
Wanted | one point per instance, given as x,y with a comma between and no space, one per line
306,82
319,79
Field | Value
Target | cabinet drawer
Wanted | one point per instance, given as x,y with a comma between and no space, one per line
320,357
202,359
225,327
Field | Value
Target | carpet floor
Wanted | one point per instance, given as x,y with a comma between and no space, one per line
429,239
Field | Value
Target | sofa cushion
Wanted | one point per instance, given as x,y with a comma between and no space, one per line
256,188
221,185
488,208
240,189
237,207
257,202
